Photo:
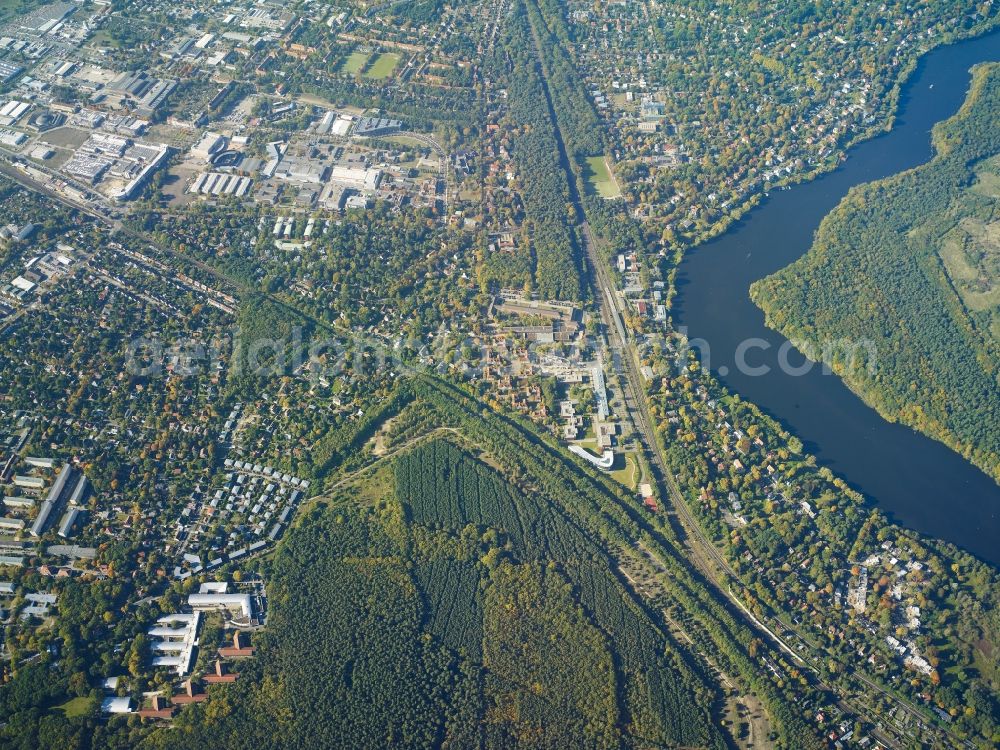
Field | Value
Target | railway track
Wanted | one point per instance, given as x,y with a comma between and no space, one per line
703,554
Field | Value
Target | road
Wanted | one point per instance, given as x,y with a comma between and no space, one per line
703,553
443,158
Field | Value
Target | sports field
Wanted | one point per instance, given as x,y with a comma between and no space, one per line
354,62
383,66
599,177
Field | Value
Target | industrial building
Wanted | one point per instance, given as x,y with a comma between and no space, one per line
12,111
150,93
9,70
11,138
301,169
147,160
118,158
357,178
209,144
216,183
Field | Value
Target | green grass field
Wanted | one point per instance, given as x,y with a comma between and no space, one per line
354,62
383,66
405,140
626,471
599,178
102,38
76,707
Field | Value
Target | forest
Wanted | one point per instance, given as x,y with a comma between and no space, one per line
457,611
475,597
879,272
548,215
609,516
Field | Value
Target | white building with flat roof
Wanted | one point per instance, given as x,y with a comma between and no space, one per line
605,461
232,602
175,637
209,145
116,705
28,483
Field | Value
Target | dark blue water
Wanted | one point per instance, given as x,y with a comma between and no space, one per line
919,482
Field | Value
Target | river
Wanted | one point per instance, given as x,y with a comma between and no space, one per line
919,482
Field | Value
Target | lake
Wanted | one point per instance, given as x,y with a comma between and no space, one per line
919,482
